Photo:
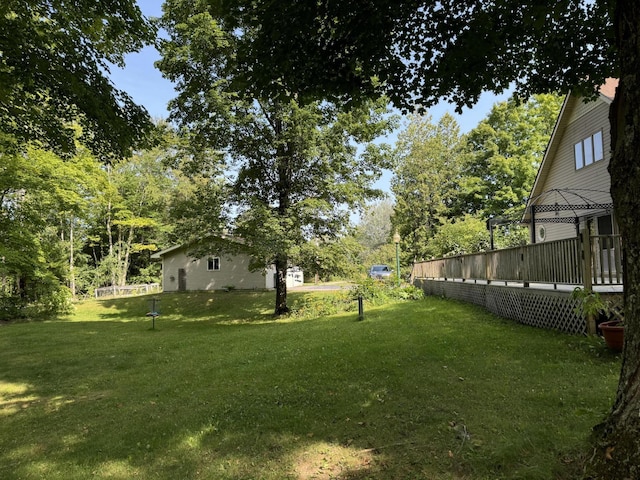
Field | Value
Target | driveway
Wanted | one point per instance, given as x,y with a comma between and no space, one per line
319,288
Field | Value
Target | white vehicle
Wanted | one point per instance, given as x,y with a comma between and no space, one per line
380,272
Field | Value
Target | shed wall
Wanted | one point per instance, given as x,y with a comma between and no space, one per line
234,271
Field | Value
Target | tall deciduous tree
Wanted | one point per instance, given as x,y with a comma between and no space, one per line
55,57
130,212
504,153
305,178
54,60
374,228
424,51
297,168
41,198
426,180
145,188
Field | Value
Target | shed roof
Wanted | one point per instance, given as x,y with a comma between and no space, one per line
220,238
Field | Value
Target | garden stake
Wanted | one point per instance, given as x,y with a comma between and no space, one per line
153,313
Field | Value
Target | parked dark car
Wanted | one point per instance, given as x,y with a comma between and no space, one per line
380,272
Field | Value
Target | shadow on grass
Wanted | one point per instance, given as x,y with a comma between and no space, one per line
217,307
429,389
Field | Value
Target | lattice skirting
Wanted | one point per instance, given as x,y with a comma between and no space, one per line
551,309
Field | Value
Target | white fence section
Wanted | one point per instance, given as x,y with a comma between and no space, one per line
127,290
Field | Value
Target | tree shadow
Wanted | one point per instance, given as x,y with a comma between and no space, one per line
330,399
213,307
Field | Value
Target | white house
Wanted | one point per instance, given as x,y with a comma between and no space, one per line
182,272
571,190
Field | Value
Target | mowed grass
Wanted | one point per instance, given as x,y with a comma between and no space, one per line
431,389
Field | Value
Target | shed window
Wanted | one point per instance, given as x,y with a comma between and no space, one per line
213,263
589,150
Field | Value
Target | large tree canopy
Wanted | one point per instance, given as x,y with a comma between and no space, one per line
425,51
422,51
504,153
426,180
54,62
294,169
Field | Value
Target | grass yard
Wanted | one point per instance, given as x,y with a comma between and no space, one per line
430,389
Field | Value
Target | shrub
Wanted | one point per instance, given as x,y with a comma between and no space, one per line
372,291
313,306
379,293
52,300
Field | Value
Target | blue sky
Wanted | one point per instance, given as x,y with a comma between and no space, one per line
144,83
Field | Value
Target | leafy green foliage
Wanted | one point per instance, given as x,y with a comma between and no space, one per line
426,180
40,194
330,259
53,73
70,225
448,185
423,52
296,169
511,235
322,305
503,155
137,194
380,292
459,236
373,293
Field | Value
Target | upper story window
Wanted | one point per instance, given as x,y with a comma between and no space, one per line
213,263
589,150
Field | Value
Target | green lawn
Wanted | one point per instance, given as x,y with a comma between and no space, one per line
430,389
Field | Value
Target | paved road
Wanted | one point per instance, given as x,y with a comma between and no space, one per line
318,288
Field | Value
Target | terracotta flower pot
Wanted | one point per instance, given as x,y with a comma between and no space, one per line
613,334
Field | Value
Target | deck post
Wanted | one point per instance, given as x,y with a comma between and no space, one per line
585,238
487,268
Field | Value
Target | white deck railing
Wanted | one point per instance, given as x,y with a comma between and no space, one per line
557,262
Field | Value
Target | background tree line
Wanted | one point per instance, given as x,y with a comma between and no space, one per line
53,76
72,225
447,185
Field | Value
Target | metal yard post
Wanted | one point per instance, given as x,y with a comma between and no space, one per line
396,240
153,313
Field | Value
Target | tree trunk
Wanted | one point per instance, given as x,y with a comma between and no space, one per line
283,188
616,452
72,267
124,266
112,272
281,285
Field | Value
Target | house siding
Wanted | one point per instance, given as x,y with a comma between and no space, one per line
584,119
234,271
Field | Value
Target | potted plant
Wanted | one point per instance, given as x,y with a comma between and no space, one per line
591,306
613,332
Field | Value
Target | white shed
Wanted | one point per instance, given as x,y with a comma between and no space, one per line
182,272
